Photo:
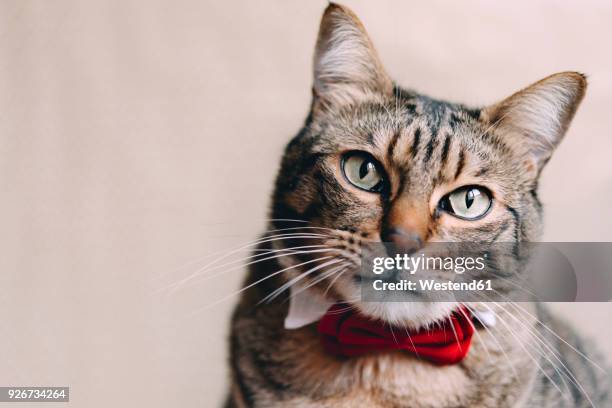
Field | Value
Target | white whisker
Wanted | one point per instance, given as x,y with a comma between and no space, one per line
518,340
494,338
203,278
288,284
566,371
258,242
261,280
560,338
324,276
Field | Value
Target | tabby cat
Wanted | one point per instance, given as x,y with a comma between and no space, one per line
376,162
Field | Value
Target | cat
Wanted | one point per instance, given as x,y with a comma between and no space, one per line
375,162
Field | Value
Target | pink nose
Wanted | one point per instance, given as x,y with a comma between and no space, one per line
404,241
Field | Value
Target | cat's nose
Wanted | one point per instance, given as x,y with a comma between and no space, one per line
406,225
403,241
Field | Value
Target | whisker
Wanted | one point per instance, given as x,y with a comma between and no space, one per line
480,339
513,283
250,244
393,334
227,252
454,332
288,284
324,276
566,371
411,342
331,284
300,228
286,220
559,337
204,277
349,307
495,339
518,340
289,251
261,280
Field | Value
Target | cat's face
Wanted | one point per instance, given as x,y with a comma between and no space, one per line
377,163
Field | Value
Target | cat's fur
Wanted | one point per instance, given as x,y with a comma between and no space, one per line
428,148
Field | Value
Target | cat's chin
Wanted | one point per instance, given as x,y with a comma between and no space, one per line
412,315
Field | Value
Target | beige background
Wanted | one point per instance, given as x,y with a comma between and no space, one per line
136,137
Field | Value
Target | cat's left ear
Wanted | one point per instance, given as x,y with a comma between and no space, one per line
536,118
346,65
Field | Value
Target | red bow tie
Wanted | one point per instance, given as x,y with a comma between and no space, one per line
347,333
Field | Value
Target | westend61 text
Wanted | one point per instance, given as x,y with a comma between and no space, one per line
432,285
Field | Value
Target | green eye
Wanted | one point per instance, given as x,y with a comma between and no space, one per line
469,203
363,171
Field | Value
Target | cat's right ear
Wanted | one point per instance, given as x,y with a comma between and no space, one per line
346,65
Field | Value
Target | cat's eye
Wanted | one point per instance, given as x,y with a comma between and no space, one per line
468,203
363,171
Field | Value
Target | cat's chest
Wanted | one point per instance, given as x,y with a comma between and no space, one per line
399,380
402,381
389,380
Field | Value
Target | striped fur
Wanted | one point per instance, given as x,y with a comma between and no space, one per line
427,148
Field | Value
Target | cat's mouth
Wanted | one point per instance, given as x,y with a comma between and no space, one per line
331,268
337,289
344,286
414,314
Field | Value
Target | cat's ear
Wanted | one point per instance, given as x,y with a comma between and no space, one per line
346,65
536,117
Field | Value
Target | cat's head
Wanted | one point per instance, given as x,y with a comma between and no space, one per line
375,162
